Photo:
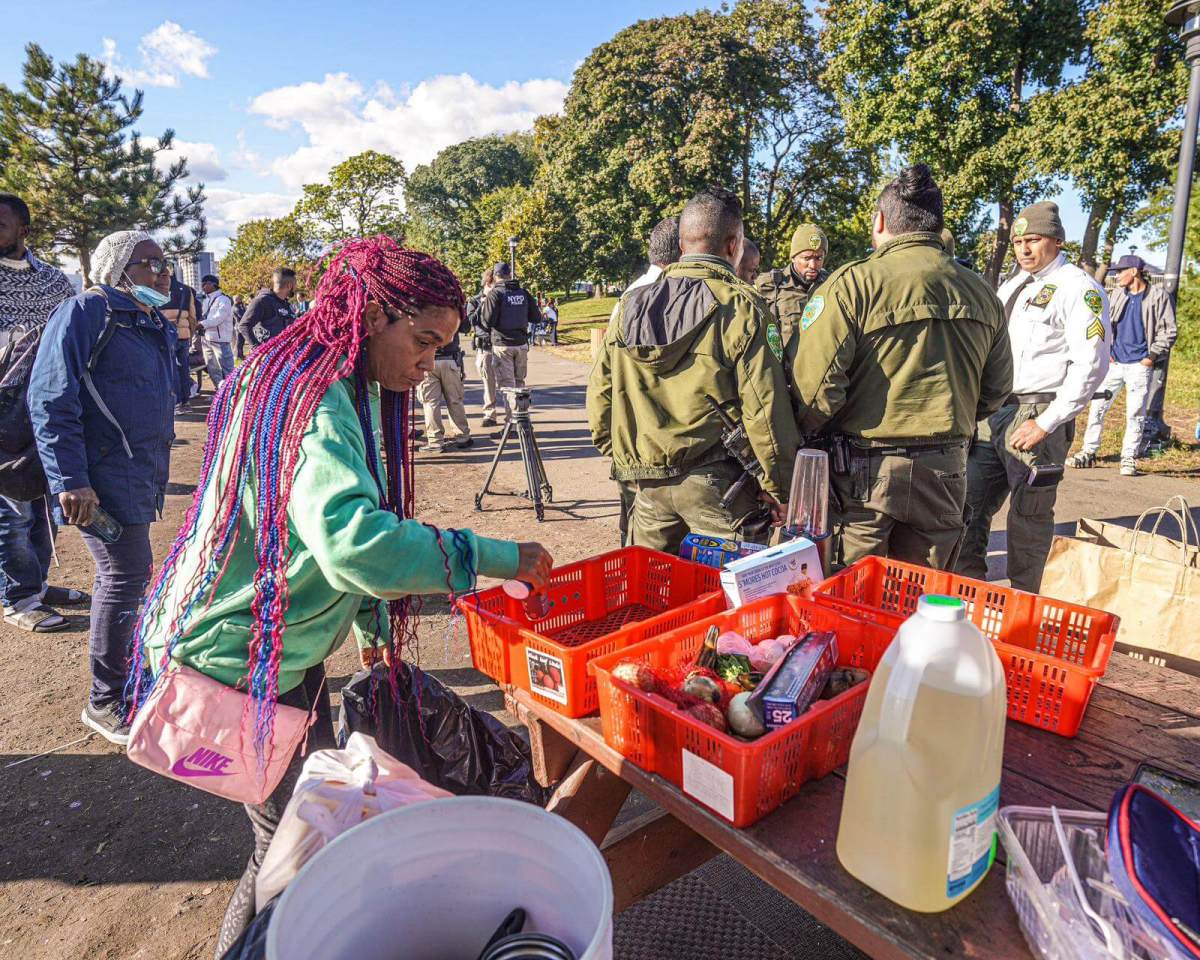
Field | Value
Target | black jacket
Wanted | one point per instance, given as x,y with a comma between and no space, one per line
507,311
265,317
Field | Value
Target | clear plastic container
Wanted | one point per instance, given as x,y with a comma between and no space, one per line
808,500
1052,918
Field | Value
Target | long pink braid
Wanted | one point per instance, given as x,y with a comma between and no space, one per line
277,391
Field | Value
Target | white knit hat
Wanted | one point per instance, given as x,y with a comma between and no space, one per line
113,253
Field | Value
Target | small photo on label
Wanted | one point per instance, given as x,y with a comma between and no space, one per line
546,675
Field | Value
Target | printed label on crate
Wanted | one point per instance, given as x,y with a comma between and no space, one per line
546,675
708,783
972,843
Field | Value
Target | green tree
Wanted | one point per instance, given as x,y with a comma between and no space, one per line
360,199
1115,132
670,105
447,198
258,248
948,82
543,225
68,147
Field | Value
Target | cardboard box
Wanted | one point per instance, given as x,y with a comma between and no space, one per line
788,568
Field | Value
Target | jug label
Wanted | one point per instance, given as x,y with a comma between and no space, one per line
972,843
708,783
546,675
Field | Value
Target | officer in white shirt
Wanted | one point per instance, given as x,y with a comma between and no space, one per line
1058,325
217,325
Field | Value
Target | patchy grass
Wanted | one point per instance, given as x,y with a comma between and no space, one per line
585,309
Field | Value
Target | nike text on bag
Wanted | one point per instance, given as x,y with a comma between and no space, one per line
198,731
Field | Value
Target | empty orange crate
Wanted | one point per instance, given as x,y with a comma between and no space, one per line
740,780
1053,651
597,605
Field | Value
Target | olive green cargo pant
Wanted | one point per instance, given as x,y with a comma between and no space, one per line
666,511
905,507
994,471
626,491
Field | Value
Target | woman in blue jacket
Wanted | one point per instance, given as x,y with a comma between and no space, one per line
102,399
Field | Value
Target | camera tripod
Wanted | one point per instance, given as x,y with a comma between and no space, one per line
540,491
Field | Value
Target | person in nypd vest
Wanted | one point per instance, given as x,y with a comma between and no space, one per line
1058,325
508,311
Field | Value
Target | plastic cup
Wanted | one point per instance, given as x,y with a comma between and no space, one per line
808,501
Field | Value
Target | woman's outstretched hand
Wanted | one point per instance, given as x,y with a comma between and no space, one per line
534,564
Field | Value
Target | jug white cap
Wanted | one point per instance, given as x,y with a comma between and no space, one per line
942,608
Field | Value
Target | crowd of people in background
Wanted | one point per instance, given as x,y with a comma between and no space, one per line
95,378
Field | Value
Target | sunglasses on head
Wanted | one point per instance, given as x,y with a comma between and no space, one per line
154,265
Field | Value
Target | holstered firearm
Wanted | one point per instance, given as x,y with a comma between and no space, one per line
737,445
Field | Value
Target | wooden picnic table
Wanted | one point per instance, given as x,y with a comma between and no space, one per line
1138,712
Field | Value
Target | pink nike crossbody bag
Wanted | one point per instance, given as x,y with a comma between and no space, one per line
198,731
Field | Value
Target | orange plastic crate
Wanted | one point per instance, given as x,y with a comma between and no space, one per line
1053,651
597,605
740,780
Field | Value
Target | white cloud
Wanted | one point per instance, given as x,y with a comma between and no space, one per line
168,53
204,163
340,118
227,210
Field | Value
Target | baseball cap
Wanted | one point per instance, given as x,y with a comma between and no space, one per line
1129,261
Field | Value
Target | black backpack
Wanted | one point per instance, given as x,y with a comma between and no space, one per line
21,473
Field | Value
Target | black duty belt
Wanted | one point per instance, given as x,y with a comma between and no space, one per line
912,451
1014,399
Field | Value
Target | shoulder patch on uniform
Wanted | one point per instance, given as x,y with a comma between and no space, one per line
775,341
1095,330
1094,303
812,311
1044,295
1019,227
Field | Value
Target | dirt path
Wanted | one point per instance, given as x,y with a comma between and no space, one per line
100,859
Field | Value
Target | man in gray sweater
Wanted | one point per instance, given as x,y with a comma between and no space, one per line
1144,331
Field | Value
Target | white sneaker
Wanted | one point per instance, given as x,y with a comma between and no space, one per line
1129,468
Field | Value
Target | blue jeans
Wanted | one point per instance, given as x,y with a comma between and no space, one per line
122,572
26,545
184,387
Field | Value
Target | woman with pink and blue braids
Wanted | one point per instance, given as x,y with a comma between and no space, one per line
297,531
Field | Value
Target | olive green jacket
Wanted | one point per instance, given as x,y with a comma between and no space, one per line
696,330
904,345
786,296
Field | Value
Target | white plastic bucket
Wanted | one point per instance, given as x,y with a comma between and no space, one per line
433,882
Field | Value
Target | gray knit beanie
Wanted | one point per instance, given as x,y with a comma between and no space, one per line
1040,219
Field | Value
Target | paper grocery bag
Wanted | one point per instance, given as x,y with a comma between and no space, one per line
1157,599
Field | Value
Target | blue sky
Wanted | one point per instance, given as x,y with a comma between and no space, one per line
264,96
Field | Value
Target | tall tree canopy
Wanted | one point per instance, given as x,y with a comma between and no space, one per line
258,248
69,148
672,104
361,198
1112,130
448,198
949,82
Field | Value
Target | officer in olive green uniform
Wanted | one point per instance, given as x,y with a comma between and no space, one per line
787,291
899,356
696,330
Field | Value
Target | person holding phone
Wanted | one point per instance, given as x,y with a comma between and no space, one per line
102,398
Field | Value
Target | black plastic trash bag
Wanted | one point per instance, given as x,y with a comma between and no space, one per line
252,944
438,734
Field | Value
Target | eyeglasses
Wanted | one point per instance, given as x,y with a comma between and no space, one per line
154,265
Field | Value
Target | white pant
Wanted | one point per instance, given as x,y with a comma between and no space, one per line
1136,378
444,382
512,363
218,358
485,363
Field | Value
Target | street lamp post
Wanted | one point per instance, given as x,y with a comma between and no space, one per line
1186,16
512,249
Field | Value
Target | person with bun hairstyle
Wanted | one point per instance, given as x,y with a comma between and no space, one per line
897,357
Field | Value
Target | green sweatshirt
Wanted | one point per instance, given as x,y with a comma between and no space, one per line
345,551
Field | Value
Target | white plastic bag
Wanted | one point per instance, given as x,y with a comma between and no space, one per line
337,789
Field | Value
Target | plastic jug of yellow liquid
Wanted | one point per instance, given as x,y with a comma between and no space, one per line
923,785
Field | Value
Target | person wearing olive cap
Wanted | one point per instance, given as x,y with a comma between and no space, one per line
1057,319
787,291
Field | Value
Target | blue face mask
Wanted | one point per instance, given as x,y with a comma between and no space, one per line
148,295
